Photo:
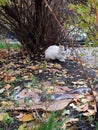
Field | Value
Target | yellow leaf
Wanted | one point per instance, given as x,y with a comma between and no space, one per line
23,127
24,61
50,89
2,116
57,66
26,117
4,103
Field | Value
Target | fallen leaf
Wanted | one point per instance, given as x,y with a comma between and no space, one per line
5,103
72,120
2,90
60,82
58,105
89,113
9,78
2,116
23,127
26,77
57,66
8,86
5,117
45,115
27,94
35,67
83,107
79,82
84,100
32,125
26,117
69,122
50,89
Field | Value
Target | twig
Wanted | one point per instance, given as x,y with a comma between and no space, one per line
38,116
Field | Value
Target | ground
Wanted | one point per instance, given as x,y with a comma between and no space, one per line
19,73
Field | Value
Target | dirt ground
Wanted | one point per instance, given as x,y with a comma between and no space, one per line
14,66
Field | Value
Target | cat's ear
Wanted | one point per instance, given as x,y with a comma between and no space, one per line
60,45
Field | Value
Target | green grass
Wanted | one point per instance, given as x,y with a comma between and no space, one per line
4,45
48,125
96,126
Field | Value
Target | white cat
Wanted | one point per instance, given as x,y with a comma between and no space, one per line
55,52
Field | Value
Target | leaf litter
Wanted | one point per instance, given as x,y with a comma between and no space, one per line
23,83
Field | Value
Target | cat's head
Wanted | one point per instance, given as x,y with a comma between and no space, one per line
61,49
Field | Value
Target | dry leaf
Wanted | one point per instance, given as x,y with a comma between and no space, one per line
8,86
79,82
27,94
45,115
26,77
5,103
50,89
32,125
2,90
58,105
60,82
23,127
69,123
2,116
57,66
9,78
89,113
83,107
71,120
36,67
84,100
26,117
